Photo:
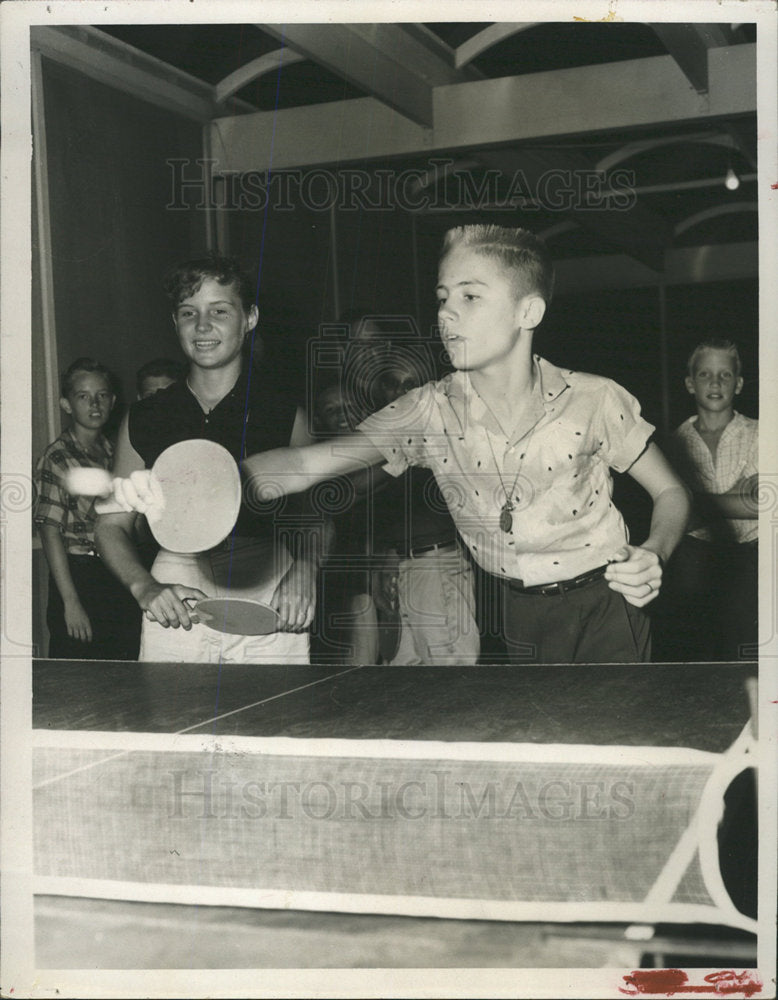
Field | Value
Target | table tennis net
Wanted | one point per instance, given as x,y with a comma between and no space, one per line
568,833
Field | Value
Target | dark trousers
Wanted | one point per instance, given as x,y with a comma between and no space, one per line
707,608
113,613
592,624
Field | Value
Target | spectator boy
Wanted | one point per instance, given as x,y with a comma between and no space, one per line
709,609
89,615
156,375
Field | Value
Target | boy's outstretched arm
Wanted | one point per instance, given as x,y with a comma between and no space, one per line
271,474
308,542
636,571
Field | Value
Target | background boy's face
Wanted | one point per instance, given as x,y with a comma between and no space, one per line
89,401
154,383
714,383
397,380
331,411
212,324
478,310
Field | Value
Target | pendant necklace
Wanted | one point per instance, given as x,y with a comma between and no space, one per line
507,509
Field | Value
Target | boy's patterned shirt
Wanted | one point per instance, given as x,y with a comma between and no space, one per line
559,457
74,516
737,457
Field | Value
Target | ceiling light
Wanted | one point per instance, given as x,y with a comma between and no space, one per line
731,181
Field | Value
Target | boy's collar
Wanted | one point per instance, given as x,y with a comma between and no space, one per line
101,441
549,381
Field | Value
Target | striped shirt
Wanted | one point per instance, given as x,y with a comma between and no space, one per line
74,516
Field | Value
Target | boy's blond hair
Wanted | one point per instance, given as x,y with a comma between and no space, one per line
520,252
715,344
87,366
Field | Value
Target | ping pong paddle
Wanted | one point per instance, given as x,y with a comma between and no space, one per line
200,494
235,615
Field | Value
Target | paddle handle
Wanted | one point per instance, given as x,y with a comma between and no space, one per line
193,604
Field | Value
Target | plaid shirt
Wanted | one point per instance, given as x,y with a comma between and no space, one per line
73,516
737,457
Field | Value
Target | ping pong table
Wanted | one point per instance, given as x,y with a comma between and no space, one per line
561,794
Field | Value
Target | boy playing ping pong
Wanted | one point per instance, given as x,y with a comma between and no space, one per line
522,452
222,399
89,615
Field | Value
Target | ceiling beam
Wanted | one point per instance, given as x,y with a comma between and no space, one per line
483,40
270,62
383,60
489,112
633,228
688,44
611,96
435,44
715,212
116,64
640,146
744,139
684,266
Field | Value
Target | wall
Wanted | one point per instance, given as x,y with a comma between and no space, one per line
373,266
112,237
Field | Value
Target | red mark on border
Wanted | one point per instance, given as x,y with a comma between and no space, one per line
774,187
672,981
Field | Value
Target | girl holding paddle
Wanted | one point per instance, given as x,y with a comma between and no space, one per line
226,400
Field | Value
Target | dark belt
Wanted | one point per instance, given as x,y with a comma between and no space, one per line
417,550
561,586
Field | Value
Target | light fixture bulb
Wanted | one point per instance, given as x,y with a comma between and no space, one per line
731,181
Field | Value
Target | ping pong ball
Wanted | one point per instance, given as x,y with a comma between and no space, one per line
639,932
88,482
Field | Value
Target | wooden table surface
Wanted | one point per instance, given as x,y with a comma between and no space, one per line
658,705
